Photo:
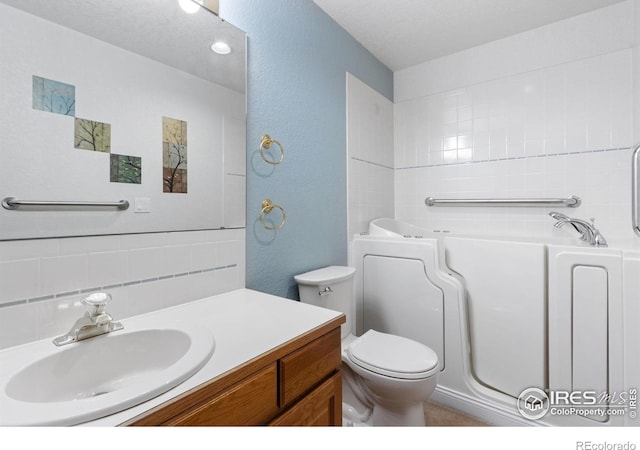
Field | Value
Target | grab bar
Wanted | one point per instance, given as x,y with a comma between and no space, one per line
635,190
571,202
12,203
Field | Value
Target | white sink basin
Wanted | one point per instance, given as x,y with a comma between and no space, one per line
98,376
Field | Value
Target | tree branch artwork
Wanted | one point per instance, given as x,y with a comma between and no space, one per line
174,158
54,96
92,135
126,169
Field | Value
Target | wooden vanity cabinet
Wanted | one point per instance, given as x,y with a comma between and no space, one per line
321,407
296,384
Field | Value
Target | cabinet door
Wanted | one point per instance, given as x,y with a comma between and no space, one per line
253,401
304,368
322,407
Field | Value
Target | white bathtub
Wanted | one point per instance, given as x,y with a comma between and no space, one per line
507,314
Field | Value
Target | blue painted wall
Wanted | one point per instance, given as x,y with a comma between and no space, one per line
297,63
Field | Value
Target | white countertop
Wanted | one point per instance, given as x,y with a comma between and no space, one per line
245,324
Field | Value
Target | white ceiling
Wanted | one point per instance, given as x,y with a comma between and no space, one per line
157,29
403,33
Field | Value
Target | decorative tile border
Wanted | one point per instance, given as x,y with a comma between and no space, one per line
112,286
515,158
371,162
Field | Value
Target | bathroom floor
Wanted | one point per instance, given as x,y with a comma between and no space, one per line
437,415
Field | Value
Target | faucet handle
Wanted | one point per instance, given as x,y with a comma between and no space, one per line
558,216
96,303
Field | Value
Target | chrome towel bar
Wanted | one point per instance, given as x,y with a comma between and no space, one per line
13,203
635,190
571,202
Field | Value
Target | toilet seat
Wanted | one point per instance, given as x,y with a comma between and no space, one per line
392,356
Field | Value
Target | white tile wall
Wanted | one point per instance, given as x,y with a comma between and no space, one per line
562,128
370,194
601,179
370,155
43,280
587,35
574,107
234,193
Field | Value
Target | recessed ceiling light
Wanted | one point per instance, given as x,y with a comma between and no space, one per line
190,6
221,48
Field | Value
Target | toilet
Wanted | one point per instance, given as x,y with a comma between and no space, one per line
386,378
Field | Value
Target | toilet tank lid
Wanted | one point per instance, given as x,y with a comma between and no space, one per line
326,275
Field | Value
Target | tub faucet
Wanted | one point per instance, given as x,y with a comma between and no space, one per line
96,321
588,232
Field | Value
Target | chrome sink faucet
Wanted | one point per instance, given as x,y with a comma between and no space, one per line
588,232
96,321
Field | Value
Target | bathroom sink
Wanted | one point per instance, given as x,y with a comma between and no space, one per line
50,385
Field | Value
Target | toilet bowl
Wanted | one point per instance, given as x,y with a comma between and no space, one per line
386,378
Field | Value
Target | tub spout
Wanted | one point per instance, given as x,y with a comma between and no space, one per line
588,232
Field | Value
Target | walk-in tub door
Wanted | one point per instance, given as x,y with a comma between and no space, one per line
506,298
400,299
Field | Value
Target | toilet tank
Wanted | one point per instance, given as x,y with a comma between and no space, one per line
332,288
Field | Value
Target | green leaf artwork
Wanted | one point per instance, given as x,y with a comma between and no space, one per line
126,169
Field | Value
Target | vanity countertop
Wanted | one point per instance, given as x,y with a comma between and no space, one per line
245,324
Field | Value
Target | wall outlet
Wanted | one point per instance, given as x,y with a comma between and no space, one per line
142,205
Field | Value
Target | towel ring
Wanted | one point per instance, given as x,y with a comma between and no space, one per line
265,143
267,207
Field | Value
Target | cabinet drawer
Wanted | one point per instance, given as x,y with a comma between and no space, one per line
304,368
253,401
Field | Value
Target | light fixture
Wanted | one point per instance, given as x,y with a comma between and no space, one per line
221,48
190,6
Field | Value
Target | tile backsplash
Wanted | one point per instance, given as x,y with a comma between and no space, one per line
43,280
